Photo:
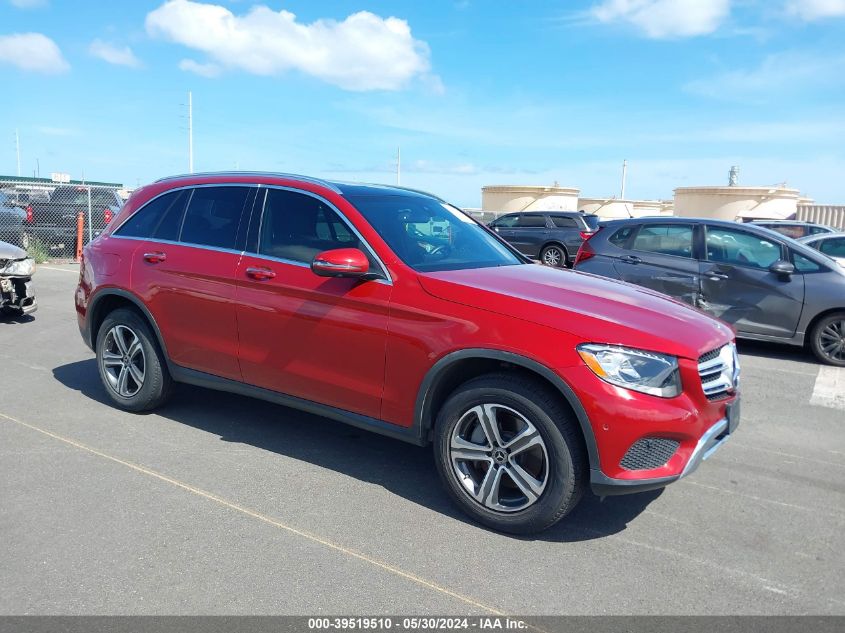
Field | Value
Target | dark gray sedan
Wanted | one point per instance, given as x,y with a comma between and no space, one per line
768,286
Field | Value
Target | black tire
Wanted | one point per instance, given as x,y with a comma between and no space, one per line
823,336
566,465
155,387
555,256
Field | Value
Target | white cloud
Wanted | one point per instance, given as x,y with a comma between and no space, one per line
816,9
778,76
32,51
117,55
204,70
666,19
362,52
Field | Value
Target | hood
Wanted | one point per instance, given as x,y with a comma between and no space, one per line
10,251
592,308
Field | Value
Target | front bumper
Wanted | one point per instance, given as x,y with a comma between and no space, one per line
710,442
17,294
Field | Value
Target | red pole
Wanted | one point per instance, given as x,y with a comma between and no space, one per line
80,224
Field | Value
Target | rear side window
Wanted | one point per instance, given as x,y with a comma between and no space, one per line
621,236
159,219
562,222
592,221
665,239
531,221
214,215
297,227
815,230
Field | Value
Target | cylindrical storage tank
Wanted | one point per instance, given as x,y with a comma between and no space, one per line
510,198
612,208
736,203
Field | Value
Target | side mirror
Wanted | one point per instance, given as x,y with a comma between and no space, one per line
341,262
782,267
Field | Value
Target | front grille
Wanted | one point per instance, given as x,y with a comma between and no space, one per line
716,370
648,453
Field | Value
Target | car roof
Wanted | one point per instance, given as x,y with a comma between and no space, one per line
820,237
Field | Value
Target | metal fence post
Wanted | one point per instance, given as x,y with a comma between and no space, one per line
90,224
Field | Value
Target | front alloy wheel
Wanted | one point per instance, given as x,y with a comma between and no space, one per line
828,340
499,458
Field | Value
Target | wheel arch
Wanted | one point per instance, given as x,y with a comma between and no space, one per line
811,326
456,368
111,299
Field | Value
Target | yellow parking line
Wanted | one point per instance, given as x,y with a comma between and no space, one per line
262,517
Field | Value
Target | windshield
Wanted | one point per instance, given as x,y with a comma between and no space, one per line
429,235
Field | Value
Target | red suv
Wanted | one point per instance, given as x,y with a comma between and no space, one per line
392,310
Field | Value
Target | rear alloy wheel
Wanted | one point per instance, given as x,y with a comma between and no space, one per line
509,453
131,365
828,340
553,256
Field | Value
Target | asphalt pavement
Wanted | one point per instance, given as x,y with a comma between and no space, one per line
218,504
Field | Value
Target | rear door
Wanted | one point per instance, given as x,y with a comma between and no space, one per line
317,338
185,272
661,257
737,286
505,227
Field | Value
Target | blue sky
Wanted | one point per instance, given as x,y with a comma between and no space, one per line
476,92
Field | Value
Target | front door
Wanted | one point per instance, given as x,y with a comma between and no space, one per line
738,287
317,338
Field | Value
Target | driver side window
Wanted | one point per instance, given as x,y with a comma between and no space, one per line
729,246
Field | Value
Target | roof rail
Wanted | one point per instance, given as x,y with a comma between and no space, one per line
316,181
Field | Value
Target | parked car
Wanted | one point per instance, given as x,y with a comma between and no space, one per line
768,286
831,244
532,383
12,219
794,228
17,294
54,221
553,237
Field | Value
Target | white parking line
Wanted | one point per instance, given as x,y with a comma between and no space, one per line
829,390
75,271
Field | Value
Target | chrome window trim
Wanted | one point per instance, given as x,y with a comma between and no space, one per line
385,275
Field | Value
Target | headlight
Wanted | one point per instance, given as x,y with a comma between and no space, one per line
647,372
21,267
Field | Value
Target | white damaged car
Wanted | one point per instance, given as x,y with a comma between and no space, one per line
17,294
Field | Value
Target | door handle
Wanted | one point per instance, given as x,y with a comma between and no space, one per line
716,276
155,257
631,259
260,274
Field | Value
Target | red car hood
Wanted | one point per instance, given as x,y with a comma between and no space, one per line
593,308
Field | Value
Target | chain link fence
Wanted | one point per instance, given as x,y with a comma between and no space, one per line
54,220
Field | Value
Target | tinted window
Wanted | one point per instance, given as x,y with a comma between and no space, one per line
429,235
833,247
592,221
562,222
506,221
666,239
815,230
621,236
213,216
743,249
531,220
296,226
159,219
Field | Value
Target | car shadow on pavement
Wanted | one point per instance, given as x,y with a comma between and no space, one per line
777,351
401,468
16,319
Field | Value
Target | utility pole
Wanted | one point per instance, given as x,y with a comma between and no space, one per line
190,133
398,165
18,150
624,177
